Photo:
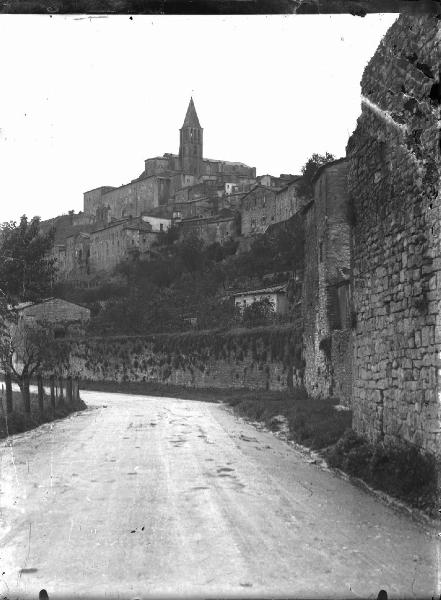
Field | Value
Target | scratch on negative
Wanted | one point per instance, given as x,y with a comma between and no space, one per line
71,527
11,447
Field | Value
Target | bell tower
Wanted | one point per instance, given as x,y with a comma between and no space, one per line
191,142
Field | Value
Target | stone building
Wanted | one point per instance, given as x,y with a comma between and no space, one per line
168,177
218,228
77,264
271,181
289,200
258,210
65,318
394,187
158,223
130,199
327,337
264,206
277,295
119,241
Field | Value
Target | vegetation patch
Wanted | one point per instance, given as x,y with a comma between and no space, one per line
189,351
313,423
402,472
18,421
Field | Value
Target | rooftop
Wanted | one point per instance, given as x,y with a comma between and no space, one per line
274,289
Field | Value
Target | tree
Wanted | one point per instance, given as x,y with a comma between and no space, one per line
191,253
168,237
310,168
26,272
27,348
260,312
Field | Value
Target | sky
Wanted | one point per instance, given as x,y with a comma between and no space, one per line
85,100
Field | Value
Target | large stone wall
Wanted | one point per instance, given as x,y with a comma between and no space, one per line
394,182
130,199
327,267
254,359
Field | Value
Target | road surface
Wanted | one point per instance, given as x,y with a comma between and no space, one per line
143,497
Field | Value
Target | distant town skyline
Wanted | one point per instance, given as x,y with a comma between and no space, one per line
86,100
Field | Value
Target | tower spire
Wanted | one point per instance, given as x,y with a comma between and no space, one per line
191,117
191,142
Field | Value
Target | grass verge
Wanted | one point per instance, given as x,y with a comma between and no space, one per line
400,471
19,421
312,423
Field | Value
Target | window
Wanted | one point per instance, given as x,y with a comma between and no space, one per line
321,252
339,305
161,227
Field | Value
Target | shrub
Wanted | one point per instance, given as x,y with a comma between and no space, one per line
402,471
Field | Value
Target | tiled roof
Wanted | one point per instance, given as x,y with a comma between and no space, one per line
281,288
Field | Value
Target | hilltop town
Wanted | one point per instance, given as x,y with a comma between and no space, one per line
216,200
247,345
361,301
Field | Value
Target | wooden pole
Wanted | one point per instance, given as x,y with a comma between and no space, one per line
76,390
8,385
69,390
26,395
52,385
61,396
40,393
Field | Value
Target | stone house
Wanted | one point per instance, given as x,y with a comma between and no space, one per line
258,210
263,206
271,181
277,295
120,241
218,228
58,253
130,199
77,264
157,223
66,318
289,200
327,336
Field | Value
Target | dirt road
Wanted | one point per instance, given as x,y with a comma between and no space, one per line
151,496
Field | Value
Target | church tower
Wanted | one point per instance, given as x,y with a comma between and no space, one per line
190,147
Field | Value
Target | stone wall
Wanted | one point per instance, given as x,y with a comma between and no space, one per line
211,229
394,181
66,318
130,199
117,242
258,210
326,279
265,358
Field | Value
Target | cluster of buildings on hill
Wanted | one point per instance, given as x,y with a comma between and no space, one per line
371,300
214,199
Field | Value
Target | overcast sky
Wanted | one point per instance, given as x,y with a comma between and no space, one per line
85,100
